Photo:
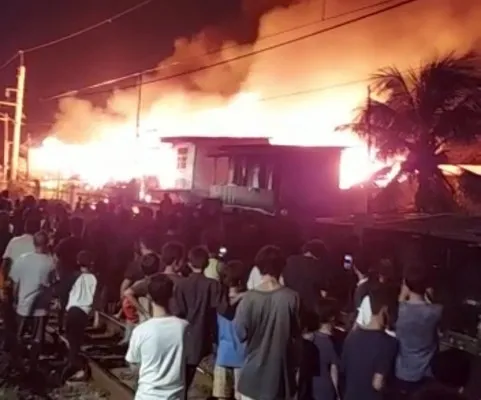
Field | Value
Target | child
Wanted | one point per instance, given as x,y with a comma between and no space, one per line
319,373
80,304
230,351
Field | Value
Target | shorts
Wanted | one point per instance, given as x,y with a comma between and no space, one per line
225,382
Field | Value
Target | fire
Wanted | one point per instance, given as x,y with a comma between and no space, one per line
117,154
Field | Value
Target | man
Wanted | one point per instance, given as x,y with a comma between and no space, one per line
31,274
157,347
20,245
416,329
16,247
267,321
369,353
198,299
307,274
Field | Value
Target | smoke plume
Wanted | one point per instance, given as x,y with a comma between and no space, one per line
297,93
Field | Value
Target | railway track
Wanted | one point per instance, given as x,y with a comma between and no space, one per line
109,371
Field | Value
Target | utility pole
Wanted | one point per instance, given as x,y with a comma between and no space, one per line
6,145
17,128
369,148
139,106
141,193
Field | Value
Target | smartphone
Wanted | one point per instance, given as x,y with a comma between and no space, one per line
222,251
348,262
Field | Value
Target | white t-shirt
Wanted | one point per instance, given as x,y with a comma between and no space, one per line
31,272
255,278
213,269
158,346
364,314
19,245
82,293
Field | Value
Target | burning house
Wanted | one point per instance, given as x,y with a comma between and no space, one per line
250,172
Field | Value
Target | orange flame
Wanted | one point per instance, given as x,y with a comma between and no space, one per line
117,155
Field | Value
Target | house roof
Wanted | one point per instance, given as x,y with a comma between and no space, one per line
264,149
214,139
448,226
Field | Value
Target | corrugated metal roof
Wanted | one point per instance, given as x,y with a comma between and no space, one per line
448,226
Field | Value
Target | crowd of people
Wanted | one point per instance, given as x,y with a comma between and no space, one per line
270,315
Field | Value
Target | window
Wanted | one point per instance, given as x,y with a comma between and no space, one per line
182,153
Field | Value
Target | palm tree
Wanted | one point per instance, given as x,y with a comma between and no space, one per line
418,114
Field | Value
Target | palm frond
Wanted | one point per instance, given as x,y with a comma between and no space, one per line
395,87
444,82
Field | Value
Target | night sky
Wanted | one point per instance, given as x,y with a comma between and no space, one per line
134,42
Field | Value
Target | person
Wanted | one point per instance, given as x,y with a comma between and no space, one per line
157,347
361,270
147,244
198,299
68,248
79,306
416,329
215,264
172,259
255,278
66,253
135,304
31,275
307,274
230,351
267,321
5,202
20,245
385,277
319,371
369,353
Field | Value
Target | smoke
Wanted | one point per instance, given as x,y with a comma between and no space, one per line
184,106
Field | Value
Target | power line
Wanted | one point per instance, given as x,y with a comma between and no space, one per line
210,53
9,61
88,29
241,56
315,90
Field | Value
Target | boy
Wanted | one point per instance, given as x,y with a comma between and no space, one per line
157,347
369,353
79,306
198,299
230,351
319,373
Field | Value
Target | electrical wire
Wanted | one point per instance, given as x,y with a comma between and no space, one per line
9,61
88,29
315,90
210,53
239,57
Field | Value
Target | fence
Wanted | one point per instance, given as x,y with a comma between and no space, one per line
65,191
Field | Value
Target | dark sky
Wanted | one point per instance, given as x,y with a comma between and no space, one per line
136,41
